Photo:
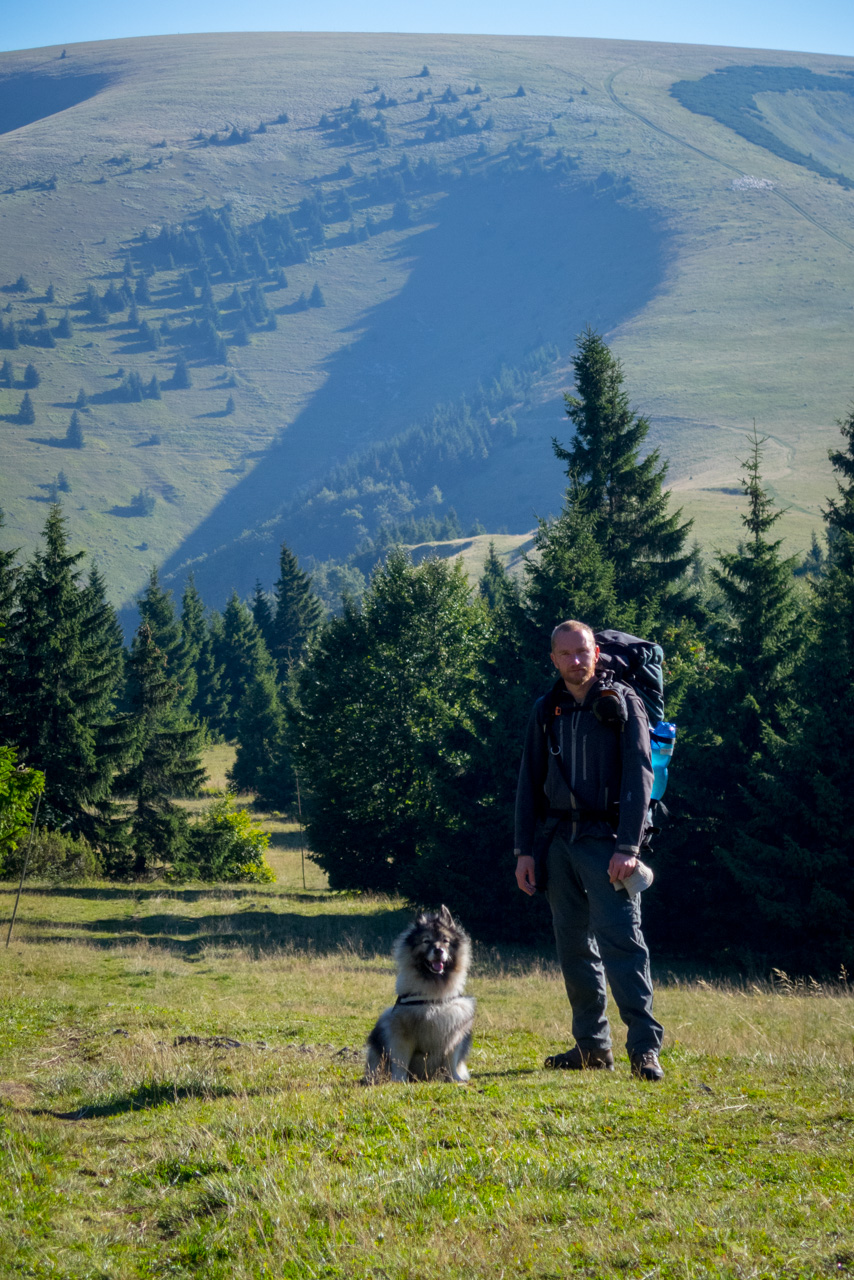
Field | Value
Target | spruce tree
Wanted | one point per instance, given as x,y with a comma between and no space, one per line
7,373
380,703
794,859
242,657
298,613
32,377
74,432
735,720
569,576
165,758
208,705
262,613
9,576
27,413
262,763
65,671
181,379
622,494
496,586
157,610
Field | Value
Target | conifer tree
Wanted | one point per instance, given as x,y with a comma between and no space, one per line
262,763
622,494
262,613
65,673
82,401
74,432
181,377
157,611
32,377
7,373
496,586
27,413
735,720
298,613
165,758
194,635
379,756
242,657
9,576
569,575
793,860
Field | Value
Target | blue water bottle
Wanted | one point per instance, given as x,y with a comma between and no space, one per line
661,740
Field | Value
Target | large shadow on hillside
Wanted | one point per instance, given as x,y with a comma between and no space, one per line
29,96
514,262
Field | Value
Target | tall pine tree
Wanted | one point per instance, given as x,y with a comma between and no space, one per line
165,759
734,721
621,492
298,613
65,673
794,858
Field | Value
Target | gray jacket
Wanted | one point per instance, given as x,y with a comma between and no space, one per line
602,772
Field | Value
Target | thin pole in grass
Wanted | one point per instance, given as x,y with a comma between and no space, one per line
24,868
301,833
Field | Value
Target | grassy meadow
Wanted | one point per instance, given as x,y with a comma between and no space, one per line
180,1096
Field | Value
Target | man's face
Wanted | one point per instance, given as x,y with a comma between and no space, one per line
574,656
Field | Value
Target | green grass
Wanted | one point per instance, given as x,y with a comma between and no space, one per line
126,1153
749,316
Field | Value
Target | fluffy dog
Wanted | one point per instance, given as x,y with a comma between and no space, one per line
426,1034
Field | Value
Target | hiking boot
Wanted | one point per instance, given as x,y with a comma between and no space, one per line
576,1059
646,1065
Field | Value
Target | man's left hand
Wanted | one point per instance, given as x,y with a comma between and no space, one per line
621,866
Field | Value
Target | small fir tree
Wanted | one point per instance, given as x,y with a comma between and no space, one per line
74,432
27,413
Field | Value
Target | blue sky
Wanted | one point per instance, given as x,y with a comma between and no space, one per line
823,26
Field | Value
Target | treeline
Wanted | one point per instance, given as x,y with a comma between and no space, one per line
111,736
402,717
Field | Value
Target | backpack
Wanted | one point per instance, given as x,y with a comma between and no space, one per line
639,664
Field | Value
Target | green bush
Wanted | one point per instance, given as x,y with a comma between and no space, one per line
225,845
53,856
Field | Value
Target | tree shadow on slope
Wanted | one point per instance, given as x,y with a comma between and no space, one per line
255,931
514,262
30,96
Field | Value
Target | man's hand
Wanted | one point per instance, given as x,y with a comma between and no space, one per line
621,866
526,876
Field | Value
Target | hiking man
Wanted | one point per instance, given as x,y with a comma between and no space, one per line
581,811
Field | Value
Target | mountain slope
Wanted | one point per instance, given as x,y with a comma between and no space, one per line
452,226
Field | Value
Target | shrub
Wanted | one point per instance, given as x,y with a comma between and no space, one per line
53,856
225,845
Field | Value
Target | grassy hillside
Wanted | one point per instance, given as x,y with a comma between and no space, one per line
459,232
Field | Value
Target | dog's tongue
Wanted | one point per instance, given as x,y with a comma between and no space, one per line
437,965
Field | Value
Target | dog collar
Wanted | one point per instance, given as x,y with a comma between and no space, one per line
411,999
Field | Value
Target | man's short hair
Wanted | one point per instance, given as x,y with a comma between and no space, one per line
572,625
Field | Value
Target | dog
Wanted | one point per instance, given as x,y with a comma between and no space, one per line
426,1034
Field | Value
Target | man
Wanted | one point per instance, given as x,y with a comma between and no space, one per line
581,806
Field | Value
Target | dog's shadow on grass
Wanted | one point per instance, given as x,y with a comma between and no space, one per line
145,1098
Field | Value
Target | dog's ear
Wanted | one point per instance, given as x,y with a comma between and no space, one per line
422,920
445,915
